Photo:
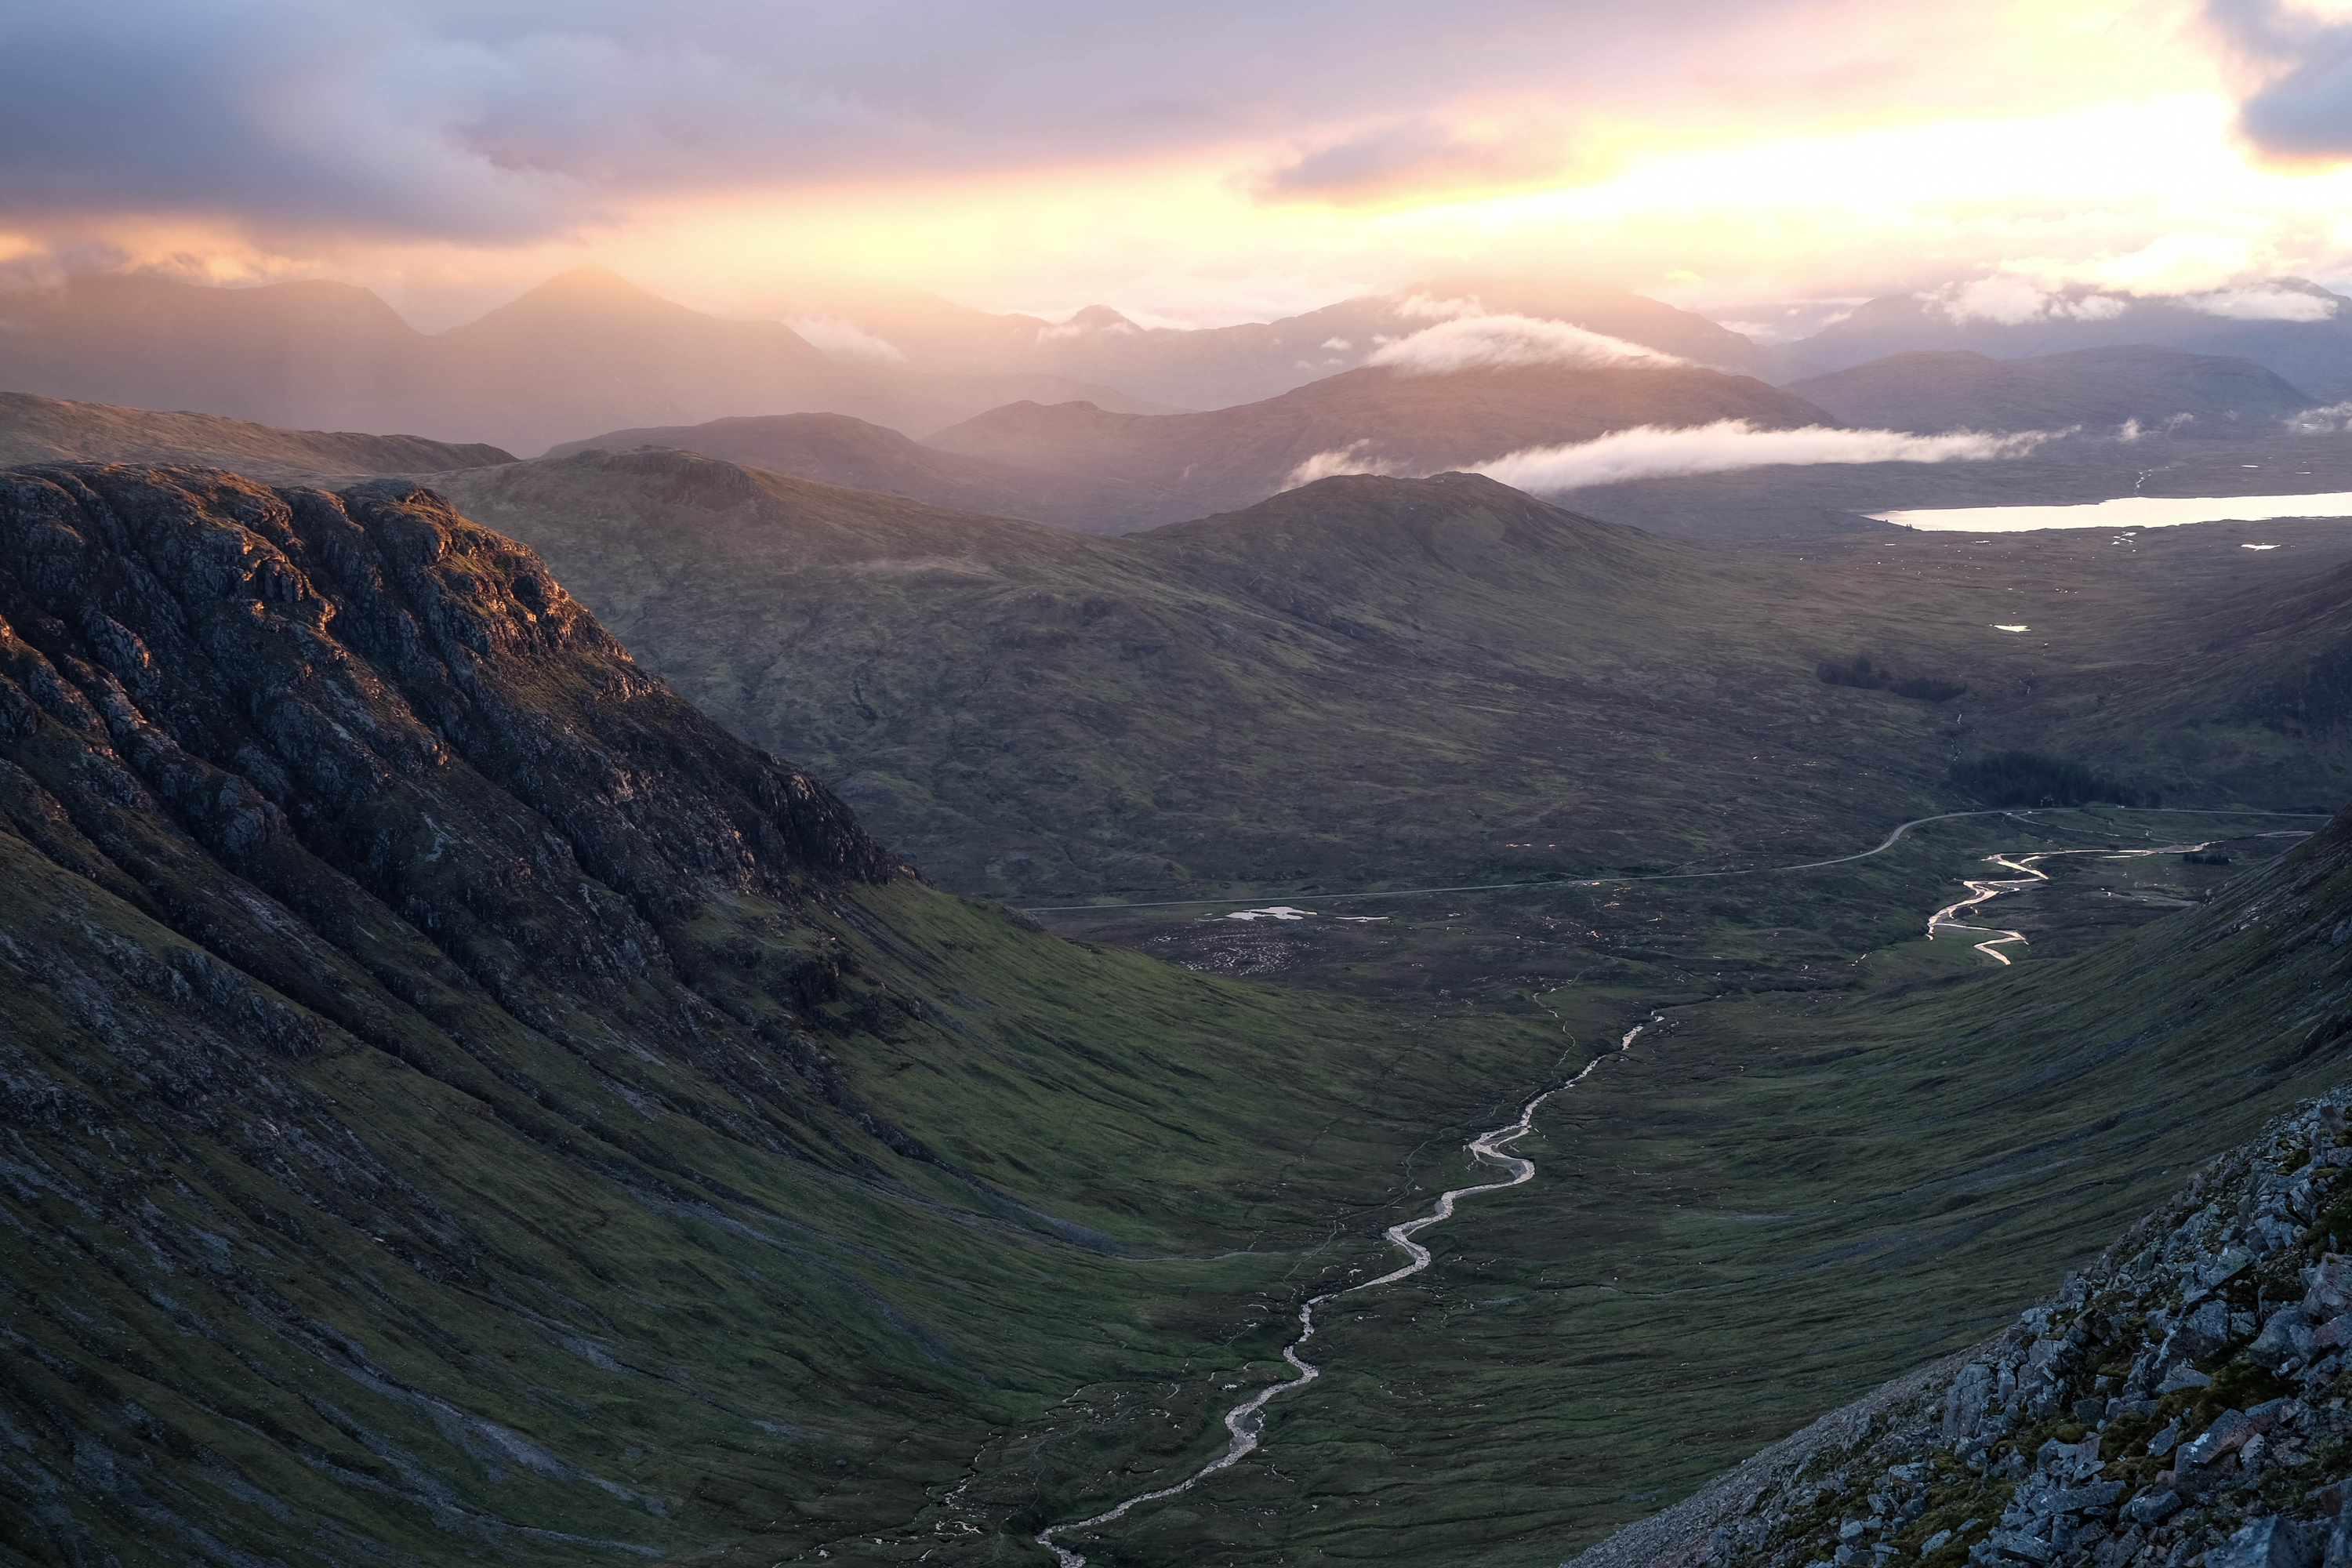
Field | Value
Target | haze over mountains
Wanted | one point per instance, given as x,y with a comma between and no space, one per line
1450,374
583,351
1218,366
2296,328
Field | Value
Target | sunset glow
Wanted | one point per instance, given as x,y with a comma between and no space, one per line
1244,167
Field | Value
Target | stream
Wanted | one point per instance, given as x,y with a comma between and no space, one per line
1242,1422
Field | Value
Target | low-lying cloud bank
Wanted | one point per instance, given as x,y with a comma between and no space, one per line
1652,451
1488,343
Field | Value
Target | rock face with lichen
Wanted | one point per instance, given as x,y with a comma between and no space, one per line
2181,1403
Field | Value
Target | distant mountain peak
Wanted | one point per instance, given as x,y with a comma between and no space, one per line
1097,319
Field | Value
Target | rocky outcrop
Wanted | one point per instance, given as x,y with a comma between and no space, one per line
2179,1403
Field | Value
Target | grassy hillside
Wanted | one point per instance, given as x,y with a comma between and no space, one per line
1374,682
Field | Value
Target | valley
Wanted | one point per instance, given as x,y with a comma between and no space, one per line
1281,1035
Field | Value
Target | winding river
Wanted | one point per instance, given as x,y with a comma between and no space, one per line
1242,1422
1984,892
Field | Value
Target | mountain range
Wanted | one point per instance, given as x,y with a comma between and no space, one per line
2147,388
464,1093
583,352
2293,328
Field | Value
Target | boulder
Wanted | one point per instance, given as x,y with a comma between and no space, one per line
2201,1333
2286,1336
2152,1506
2271,1541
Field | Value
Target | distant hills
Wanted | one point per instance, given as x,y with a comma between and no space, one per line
1216,367
1960,389
1078,464
836,449
1374,420
2292,328
583,352
1384,679
42,429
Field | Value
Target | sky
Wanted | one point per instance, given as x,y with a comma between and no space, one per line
1215,161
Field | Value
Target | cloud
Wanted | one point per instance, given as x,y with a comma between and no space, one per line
1652,451
1412,156
2301,108
2334,418
1486,343
2012,300
2265,302
845,340
1347,460
523,119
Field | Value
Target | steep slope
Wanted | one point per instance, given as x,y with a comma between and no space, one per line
585,351
2306,339
1959,389
459,1101
1387,682
1374,420
835,449
42,429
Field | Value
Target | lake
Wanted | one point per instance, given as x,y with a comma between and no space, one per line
2122,514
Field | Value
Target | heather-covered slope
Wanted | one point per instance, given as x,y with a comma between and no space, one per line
456,1100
